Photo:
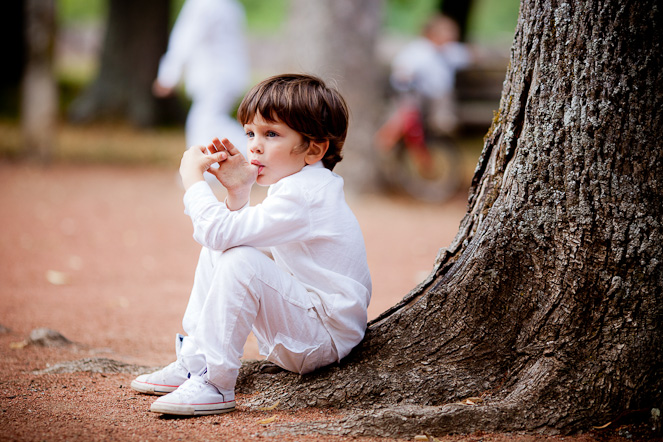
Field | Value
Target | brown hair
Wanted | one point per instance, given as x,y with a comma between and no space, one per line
306,105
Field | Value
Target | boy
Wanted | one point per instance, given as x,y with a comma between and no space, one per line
307,305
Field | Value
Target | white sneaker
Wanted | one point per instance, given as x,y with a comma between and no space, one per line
195,397
163,381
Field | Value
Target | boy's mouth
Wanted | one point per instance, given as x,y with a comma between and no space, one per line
260,166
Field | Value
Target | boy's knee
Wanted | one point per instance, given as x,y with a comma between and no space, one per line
241,258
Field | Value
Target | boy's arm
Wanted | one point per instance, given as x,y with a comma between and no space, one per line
276,220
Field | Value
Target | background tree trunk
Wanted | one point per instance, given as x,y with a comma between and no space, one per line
39,97
336,40
546,308
136,38
12,23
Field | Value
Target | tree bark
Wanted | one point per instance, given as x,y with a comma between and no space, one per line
546,308
39,97
136,38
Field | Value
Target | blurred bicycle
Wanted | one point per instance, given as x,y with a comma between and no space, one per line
414,157
418,153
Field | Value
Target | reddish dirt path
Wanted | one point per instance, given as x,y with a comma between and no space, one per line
118,240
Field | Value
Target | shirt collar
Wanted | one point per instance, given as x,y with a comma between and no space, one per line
317,165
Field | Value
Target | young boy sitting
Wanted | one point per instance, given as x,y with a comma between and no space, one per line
306,305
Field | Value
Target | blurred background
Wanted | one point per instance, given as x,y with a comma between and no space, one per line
78,76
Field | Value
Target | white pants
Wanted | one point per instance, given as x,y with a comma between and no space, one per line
240,290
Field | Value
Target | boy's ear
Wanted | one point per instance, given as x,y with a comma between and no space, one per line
316,151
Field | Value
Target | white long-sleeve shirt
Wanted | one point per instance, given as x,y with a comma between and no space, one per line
312,234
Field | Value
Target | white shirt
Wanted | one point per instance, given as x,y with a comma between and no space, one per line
427,68
312,234
207,48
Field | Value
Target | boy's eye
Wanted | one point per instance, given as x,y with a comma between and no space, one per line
249,134
271,133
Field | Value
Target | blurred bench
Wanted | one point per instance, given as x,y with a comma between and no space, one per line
478,92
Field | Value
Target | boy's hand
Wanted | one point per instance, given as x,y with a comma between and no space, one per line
234,172
195,162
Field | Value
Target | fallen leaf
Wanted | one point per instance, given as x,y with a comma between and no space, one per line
471,401
426,438
18,345
271,407
57,278
269,420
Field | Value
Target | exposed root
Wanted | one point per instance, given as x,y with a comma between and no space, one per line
95,365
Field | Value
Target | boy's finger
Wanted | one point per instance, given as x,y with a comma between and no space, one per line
230,147
220,156
217,145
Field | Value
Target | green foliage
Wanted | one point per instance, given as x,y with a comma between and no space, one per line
493,21
265,16
77,11
489,18
408,16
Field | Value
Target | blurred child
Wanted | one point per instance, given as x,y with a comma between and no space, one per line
306,305
427,67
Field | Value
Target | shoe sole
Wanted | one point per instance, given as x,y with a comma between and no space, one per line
154,389
192,409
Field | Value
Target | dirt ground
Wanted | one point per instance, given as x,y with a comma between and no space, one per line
104,255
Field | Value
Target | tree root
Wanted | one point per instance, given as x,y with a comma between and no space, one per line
410,420
95,365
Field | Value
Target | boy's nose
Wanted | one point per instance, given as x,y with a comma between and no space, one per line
255,147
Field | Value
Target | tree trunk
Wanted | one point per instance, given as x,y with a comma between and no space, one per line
12,23
136,38
336,39
546,308
39,98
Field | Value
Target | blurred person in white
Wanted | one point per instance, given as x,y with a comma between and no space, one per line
207,50
427,67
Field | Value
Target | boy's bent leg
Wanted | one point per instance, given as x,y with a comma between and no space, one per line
292,337
248,289
190,354
202,282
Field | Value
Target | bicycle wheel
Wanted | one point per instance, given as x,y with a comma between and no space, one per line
437,179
